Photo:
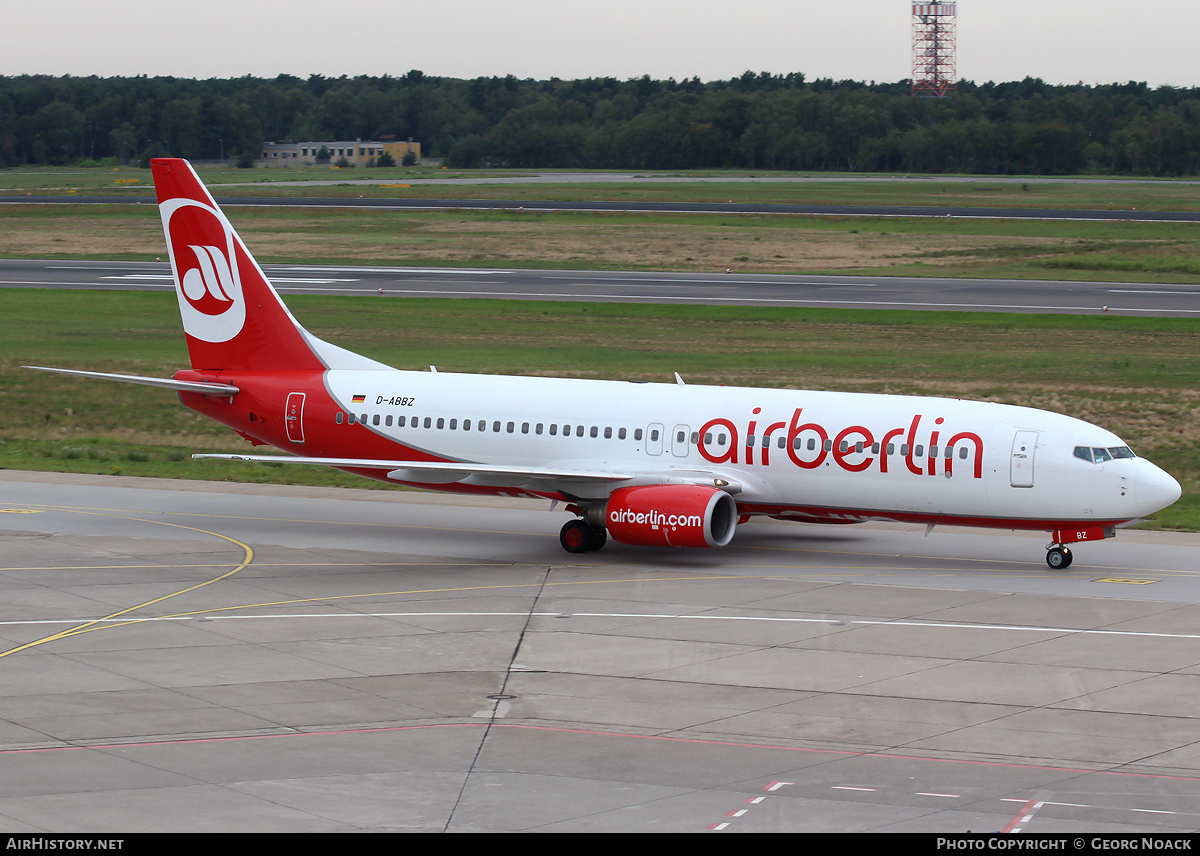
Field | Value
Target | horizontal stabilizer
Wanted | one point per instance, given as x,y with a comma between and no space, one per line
164,382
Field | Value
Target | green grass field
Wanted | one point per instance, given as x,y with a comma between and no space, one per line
1137,376
1017,249
877,246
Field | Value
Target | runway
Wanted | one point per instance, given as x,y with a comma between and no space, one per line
714,289
185,655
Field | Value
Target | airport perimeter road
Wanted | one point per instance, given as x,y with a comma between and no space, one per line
716,289
187,656
394,204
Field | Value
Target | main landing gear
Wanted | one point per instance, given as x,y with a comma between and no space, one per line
1058,557
579,536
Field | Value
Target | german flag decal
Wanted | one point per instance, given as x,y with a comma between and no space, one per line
359,399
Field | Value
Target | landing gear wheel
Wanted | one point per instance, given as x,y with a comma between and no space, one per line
1059,558
597,537
575,536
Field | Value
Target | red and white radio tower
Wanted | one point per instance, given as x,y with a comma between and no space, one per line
934,49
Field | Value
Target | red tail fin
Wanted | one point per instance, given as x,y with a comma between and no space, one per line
232,316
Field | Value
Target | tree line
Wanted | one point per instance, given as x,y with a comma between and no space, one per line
761,121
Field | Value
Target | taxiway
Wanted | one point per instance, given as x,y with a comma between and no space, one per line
197,656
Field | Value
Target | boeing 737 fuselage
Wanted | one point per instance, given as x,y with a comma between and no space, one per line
649,464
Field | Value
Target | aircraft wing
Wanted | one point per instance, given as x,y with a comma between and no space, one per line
437,472
499,475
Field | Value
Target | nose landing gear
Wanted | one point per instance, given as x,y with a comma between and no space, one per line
1058,557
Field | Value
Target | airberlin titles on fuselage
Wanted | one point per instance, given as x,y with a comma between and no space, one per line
809,445
854,448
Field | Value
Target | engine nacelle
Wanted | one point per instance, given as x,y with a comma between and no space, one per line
668,515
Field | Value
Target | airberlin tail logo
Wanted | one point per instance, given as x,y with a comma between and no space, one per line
208,286
208,281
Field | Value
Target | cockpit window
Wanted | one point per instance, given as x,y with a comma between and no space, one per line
1099,454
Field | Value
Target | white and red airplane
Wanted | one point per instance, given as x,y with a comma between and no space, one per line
648,464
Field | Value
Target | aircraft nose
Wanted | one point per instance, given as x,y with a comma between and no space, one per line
1154,489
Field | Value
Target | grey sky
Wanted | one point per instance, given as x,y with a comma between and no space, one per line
1065,41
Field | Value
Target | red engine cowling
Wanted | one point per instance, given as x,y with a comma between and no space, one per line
668,515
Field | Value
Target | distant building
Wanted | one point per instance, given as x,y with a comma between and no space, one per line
357,152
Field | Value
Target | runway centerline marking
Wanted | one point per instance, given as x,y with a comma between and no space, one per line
170,278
